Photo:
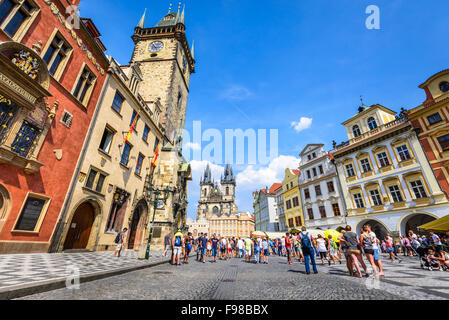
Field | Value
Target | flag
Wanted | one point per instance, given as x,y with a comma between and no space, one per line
133,127
156,155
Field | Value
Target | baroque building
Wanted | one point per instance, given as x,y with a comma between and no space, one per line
322,203
384,173
292,199
51,77
265,213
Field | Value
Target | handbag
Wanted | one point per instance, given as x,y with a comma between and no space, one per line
352,251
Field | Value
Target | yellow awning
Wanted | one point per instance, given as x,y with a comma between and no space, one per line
441,224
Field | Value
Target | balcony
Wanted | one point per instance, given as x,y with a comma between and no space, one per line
402,118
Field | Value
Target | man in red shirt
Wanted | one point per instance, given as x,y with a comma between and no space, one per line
288,248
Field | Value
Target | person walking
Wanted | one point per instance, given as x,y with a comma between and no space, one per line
288,248
376,248
321,246
265,247
352,240
307,250
167,243
368,247
241,247
349,263
390,249
120,241
256,250
333,250
204,248
178,244
297,244
408,246
214,245
188,247
248,247
198,247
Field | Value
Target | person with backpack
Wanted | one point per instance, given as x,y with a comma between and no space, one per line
288,248
120,240
333,250
307,250
188,247
178,243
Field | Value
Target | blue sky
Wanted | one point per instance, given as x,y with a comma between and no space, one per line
265,64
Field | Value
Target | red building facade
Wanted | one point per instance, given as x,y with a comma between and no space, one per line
52,70
431,119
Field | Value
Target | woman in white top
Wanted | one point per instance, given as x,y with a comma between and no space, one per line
322,249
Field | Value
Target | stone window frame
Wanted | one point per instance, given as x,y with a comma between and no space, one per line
113,131
67,123
95,182
379,150
399,142
374,186
391,182
63,64
42,215
26,24
357,191
411,177
86,100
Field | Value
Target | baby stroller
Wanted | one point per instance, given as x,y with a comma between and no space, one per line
422,254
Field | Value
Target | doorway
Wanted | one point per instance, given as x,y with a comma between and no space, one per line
414,221
133,227
80,227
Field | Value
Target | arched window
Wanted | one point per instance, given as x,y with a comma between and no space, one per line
227,191
372,124
356,131
215,210
444,86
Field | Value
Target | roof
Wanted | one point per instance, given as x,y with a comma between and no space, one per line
296,172
317,145
365,109
436,75
274,187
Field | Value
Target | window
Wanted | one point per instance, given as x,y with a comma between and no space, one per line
125,155
323,212
308,174
350,171
118,102
291,184
13,15
133,117
310,213
321,169
298,221
290,223
444,86
418,189
375,196
139,164
372,124
318,191
30,214
330,186
146,132
67,118
178,105
434,118
295,202
314,172
359,201
26,139
314,155
366,167
95,181
356,131
307,193
288,204
106,140
84,85
444,142
403,152
56,53
8,111
156,143
396,193
336,209
309,157
383,159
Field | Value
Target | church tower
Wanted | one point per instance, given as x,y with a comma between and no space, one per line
166,61
207,185
228,184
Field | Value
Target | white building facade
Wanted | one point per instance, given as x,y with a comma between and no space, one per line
265,209
280,210
323,206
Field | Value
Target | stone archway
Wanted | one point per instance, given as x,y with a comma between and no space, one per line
80,227
5,205
377,227
137,225
413,221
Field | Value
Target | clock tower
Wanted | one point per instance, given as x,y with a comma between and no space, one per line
166,61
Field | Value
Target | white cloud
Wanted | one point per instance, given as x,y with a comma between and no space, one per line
236,92
192,146
303,124
253,178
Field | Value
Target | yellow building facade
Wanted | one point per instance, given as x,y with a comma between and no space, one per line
292,199
238,225
384,173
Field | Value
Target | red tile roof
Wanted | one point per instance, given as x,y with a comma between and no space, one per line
274,187
296,172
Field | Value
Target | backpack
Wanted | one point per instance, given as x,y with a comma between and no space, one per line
177,241
118,237
305,241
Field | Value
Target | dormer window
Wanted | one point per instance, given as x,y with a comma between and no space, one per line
372,124
356,131
444,86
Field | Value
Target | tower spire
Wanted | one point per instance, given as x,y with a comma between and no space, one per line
142,20
169,8
192,51
182,20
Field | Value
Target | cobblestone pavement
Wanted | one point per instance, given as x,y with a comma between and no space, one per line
235,280
22,269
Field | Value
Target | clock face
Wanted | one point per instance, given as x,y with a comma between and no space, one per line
156,46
